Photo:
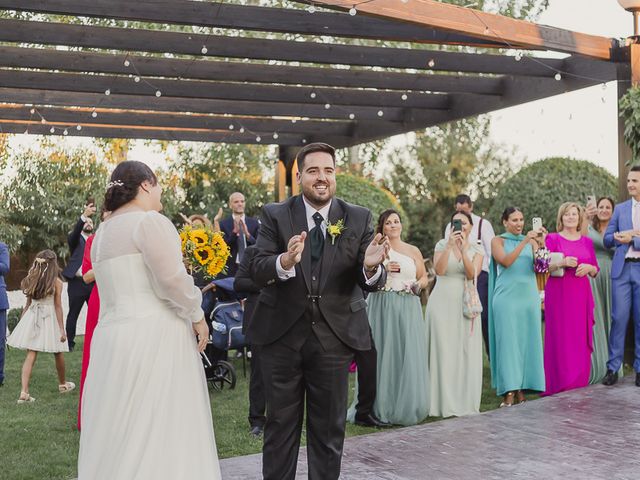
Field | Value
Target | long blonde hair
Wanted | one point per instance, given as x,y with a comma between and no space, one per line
40,281
563,209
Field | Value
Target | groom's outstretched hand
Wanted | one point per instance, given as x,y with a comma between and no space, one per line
377,252
293,255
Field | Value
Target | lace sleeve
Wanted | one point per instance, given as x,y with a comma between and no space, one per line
158,241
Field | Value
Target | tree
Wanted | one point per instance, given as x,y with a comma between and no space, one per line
43,191
540,188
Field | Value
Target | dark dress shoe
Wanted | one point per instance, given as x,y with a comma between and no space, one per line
371,421
611,378
256,431
637,379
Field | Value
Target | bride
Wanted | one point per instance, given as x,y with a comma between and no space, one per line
145,410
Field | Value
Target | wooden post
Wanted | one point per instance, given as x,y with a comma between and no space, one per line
287,157
281,181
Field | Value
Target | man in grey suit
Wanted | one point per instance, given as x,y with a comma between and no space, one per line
4,304
316,254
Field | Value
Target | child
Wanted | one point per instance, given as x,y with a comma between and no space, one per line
41,328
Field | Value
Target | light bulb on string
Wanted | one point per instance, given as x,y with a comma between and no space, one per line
52,130
136,79
404,96
275,136
107,92
518,56
311,9
353,11
32,111
241,130
127,63
43,121
204,50
380,113
304,140
258,139
312,94
294,120
557,76
352,116
327,106
94,114
158,93
231,127
78,127
65,132
432,63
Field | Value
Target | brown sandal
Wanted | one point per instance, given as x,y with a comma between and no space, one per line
508,400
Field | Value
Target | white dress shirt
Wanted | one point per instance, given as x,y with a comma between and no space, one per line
635,221
485,240
311,223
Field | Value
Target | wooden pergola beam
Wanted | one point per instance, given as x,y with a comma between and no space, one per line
325,97
83,117
130,39
479,24
131,131
222,107
246,17
74,61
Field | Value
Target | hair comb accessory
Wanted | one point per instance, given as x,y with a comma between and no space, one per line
115,183
40,260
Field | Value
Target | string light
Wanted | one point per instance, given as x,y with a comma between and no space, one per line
204,50
107,92
380,113
404,96
231,127
275,136
52,130
304,140
65,132
32,111
241,130
43,121
258,139
557,76
94,114
432,63
158,93
353,11
352,116
293,120
78,127
518,56
311,9
136,79
312,94
327,106
127,63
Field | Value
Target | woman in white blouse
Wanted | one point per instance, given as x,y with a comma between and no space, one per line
146,410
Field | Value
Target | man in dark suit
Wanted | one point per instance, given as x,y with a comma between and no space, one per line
316,254
78,291
239,232
4,304
244,285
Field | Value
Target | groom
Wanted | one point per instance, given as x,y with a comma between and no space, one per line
316,253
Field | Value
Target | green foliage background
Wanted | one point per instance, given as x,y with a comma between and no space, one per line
540,188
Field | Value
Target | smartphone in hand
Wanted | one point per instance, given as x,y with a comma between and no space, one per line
591,200
536,223
457,225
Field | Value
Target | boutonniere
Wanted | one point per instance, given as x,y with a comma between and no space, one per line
335,229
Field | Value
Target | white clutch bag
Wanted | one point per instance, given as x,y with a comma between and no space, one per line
556,257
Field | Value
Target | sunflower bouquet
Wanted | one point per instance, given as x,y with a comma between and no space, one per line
204,251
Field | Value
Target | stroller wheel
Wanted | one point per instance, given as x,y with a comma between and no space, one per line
224,375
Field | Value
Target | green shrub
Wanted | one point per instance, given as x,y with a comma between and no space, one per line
13,317
540,188
361,191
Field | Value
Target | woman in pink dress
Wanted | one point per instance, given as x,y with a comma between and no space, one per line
568,304
93,309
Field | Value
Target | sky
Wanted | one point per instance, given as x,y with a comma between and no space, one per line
580,124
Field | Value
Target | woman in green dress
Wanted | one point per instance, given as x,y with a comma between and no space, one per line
515,332
455,342
398,330
601,287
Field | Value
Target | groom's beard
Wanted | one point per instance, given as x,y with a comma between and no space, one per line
316,199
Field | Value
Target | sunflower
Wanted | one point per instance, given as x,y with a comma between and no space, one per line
203,255
214,268
199,237
184,236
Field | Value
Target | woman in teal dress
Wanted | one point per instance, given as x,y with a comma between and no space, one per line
601,287
398,329
455,342
515,332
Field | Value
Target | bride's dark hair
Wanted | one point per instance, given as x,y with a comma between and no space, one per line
126,178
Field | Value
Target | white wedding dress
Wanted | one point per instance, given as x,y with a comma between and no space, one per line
145,409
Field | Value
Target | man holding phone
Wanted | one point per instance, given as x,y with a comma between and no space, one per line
623,233
78,291
482,233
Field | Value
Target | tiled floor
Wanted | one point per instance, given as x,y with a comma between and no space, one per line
588,434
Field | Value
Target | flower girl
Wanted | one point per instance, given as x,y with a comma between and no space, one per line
41,328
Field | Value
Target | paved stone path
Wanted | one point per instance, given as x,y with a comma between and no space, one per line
587,434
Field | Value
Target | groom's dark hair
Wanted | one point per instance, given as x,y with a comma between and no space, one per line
313,148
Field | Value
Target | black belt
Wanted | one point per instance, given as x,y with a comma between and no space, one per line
632,259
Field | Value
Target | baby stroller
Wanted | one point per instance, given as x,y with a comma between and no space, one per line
225,332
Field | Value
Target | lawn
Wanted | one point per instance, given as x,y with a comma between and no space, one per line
40,441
